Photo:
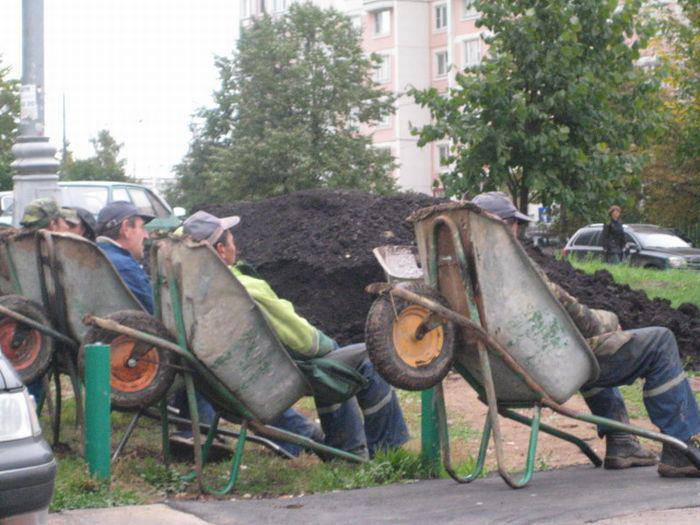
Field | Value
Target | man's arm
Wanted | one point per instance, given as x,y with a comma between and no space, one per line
590,322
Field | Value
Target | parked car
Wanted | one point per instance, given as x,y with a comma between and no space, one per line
646,245
27,464
94,195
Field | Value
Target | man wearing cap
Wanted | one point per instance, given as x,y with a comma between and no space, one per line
383,427
624,356
44,213
122,232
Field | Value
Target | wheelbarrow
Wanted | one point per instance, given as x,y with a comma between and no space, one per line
485,311
224,347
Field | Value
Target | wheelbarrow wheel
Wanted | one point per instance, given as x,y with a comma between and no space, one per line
141,374
29,350
405,361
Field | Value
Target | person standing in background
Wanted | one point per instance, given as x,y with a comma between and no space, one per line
613,237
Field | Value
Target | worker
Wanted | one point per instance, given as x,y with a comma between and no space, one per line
86,223
613,236
383,426
625,356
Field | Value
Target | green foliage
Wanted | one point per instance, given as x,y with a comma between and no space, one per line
104,165
9,124
674,175
557,110
288,114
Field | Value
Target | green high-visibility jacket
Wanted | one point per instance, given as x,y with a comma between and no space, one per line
294,331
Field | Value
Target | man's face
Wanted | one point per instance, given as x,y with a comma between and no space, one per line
615,214
132,237
227,249
59,225
77,229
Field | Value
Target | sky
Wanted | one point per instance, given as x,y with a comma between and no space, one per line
139,68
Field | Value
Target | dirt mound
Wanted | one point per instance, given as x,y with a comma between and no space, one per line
633,307
315,249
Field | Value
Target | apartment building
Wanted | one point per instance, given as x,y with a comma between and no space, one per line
422,43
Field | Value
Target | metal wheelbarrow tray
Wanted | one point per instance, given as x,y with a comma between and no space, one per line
516,345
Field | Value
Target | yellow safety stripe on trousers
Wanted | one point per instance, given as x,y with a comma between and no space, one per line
668,385
328,409
376,408
591,392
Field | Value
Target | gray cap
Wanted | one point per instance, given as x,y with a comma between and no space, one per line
203,226
115,212
499,204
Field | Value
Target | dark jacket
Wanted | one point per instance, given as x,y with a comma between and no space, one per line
131,272
613,237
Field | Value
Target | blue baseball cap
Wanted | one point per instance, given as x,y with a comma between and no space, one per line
115,212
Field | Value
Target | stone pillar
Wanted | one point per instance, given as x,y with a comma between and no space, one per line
35,163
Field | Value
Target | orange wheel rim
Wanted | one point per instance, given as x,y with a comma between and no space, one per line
27,352
416,352
132,372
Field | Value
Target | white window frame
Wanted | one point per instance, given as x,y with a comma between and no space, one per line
440,18
440,168
356,21
385,122
382,74
465,55
383,18
279,6
436,59
247,8
468,12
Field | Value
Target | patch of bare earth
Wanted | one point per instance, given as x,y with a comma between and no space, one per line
465,410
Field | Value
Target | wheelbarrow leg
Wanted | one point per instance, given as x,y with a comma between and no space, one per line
581,444
194,417
445,441
127,434
165,431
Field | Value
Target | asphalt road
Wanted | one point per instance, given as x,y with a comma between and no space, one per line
571,495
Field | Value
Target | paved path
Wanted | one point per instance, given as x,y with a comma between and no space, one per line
572,495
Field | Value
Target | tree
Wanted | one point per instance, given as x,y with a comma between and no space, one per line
104,165
9,124
289,112
556,111
672,180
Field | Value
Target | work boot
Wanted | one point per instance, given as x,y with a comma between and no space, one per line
625,451
675,464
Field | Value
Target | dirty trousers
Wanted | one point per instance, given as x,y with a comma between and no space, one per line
651,354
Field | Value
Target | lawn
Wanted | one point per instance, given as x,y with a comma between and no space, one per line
678,286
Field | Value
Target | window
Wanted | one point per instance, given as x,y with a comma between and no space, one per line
356,22
92,198
382,73
443,153
384,122
161,210
382,22
440,17
141,201
586,238
279,6
471,52
441,66
468,10
248,8
120,194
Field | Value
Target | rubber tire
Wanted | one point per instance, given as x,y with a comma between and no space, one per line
165,374
30,309
383,354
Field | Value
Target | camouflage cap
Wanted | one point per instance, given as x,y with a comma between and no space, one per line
39,213
70,215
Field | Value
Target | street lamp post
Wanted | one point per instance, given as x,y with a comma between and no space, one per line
35,163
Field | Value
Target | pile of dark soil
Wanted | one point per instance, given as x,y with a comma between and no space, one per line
633,307
315,249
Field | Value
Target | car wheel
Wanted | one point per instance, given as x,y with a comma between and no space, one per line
141,374
403,360
29,350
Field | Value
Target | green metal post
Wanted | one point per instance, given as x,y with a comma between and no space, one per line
97,410
430,435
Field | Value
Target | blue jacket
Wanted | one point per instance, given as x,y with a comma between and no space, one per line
131,272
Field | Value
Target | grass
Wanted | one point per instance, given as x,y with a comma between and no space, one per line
139,476
678,286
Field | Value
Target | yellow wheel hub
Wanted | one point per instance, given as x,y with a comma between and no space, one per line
416,352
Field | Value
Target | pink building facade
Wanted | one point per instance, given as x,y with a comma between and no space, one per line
422,44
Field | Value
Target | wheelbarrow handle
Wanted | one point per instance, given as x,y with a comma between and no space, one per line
693,454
